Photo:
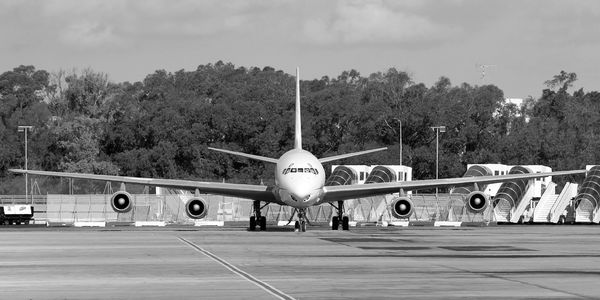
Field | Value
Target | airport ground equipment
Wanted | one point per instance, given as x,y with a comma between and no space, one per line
552,207
508,200
381,174
586,202
473,171
517,214
541,212
16,214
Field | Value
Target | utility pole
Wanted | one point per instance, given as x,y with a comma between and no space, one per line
400,137
25,129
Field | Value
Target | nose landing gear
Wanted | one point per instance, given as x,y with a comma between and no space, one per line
300,225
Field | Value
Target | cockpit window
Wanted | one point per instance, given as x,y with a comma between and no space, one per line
300,170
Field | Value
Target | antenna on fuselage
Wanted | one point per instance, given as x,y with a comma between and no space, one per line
298,128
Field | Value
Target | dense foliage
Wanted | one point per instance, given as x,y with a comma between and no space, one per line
162,126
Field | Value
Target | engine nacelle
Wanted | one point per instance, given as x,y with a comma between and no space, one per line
121,202
402,208
476,202
196,208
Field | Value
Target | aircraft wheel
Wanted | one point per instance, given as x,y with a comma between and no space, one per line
335,223
252,223
263,223
345,223
562,220
303,226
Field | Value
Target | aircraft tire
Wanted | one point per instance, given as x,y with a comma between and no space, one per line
297,226
335,223
303,226
345,223
263,223
252,223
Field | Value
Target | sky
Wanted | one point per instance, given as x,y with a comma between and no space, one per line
522,43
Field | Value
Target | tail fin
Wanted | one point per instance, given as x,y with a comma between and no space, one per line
298,128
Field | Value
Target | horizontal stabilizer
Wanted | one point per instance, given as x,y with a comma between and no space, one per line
251,156
336,157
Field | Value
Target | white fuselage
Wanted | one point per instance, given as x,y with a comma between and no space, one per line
299,179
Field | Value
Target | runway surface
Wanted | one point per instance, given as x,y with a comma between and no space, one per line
503,262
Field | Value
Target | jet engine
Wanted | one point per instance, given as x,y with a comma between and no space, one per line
402,208
121,202
196,208
477,202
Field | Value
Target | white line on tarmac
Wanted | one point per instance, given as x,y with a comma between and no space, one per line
265,286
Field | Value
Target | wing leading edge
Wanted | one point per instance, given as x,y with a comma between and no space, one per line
249,191
345,192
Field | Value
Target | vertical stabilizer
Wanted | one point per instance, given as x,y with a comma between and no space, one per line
298,128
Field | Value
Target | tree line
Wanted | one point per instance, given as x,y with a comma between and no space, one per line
161,126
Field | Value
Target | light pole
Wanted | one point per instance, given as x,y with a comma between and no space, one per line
25,129
400,137
437,129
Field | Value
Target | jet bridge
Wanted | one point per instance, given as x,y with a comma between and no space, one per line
513,198
586,202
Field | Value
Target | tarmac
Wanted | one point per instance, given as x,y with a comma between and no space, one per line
499,262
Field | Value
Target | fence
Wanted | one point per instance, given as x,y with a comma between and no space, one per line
171,209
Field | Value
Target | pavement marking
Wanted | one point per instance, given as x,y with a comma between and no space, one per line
265,286
492,275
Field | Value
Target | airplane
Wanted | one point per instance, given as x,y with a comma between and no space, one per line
300,183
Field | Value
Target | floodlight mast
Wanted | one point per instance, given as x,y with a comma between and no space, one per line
437,129
25,129
483,68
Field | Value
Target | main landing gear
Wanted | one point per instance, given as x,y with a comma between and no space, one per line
257,218
340,218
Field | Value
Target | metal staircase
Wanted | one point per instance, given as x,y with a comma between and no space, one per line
596,218
544,206
564,199
502,211
524,203
584,212
505,211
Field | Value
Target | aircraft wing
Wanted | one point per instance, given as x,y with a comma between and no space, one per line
249,191
345,192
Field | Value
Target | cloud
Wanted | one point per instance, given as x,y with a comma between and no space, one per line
355,22
160,17
89,34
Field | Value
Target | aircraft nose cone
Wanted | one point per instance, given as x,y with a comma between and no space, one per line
299,195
